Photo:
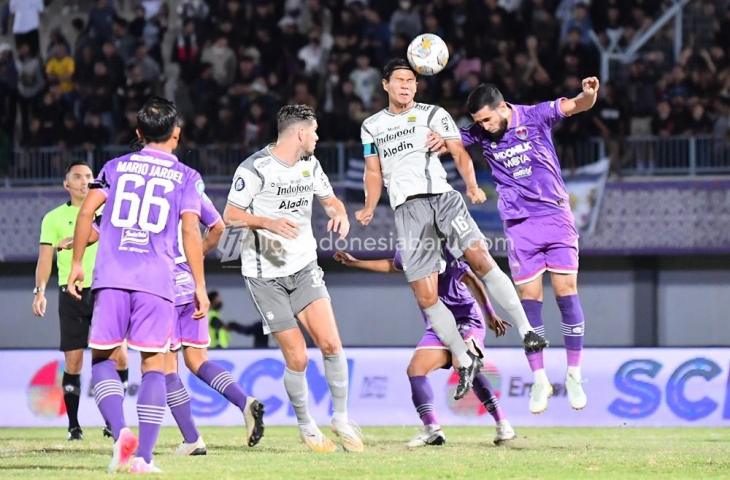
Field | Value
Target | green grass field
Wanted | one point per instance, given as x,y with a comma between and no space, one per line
575,453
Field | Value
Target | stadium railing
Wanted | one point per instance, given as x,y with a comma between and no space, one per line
638,156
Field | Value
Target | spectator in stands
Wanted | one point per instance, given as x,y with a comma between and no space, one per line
72,135
26,23
365,79
95,132
186,51
149,68
698,122
222,59
30,84
101,19
664,124
405,20
114,64
124,42
313,54
136,89
56,38
198,132
60,67
609,118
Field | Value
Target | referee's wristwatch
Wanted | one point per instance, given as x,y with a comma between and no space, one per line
38,290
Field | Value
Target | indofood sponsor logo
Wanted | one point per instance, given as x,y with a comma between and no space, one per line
470,405
45,393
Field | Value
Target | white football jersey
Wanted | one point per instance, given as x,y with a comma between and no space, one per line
399,140
265,186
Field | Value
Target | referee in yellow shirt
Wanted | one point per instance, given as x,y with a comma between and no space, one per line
57,229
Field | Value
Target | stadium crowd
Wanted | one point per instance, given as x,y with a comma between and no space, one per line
239,60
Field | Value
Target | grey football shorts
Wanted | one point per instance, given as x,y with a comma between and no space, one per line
279,300
427,223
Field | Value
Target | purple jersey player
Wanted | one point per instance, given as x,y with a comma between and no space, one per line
145,196
464,295
191,335
516,142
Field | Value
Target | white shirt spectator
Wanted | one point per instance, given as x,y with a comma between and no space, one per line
26,15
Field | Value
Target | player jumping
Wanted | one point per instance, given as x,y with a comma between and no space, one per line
428,209
271,196
145,194
464,295
516,142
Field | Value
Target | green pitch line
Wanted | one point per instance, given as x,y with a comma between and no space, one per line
561,453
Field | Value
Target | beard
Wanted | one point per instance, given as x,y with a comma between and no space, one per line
497,136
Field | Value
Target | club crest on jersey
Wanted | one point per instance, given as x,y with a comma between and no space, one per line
521,132
238,185
305,173
411,118
493,145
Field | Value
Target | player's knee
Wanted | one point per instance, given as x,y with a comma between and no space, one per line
426,300
566,286
297,363
194,358
330,347
415,370
73,365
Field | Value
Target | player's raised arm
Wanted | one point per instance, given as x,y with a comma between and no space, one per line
93,201
384,265
465,166
444,126
584,100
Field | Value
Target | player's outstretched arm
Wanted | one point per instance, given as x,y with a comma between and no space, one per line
193,247
465,166
584,100
213,236
237,217
384,265
373,182
476,287
335,210
82,232
42,274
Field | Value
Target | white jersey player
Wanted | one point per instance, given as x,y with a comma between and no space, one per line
271,196
400,154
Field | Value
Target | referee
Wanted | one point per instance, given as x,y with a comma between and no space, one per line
57,229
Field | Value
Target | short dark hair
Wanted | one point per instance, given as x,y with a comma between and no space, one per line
484,95
76,163
157,119
396,64
213,294
290,114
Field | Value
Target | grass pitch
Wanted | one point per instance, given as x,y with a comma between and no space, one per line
561,453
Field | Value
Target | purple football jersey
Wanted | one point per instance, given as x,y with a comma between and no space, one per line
146,194
184,283
524,164
454,294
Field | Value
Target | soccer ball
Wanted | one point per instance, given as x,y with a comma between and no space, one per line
428,54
